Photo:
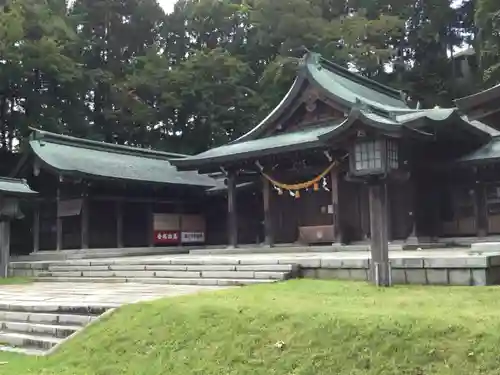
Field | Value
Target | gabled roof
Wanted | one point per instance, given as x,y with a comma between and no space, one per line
360,98
15,187
84,158
340,84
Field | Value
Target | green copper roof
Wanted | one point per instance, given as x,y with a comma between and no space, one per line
73,156
15,187
343,86
262,147
413,122
489,153
350,88
360,98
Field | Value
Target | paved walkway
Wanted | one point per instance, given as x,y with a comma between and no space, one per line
83,294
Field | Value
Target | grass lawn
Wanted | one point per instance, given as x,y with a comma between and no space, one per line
326,327
14,280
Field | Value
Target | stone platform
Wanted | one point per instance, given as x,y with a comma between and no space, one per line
453,266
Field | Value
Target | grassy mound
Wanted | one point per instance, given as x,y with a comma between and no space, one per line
299,327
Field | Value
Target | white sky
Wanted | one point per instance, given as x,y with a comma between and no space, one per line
167,5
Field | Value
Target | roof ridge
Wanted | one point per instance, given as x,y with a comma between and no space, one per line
336,68
39,135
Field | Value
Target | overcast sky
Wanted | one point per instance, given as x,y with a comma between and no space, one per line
168,5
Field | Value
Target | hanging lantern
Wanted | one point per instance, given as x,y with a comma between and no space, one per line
297,194
280,192
316,186
291,193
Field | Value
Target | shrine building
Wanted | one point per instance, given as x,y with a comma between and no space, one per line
338,151
95,195
334,135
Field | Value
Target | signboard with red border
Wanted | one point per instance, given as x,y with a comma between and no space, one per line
170,237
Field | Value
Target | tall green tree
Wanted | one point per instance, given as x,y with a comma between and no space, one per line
488,24
36,74
113,36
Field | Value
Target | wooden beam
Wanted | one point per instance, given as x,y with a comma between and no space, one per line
151,240
116,198
379,265
232,216
84,221
36,227
119,224
268,220
337,231
59,228
4,248
481,211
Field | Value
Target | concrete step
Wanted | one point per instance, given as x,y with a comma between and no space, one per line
46,318
17,339
86,310
170,267
34,327
170,274
157,280
54,330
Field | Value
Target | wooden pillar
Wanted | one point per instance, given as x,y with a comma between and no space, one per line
84,217
268,220
232,216
379,265
4,248
337,231
119,224
151,240
59,228
481,210
36,227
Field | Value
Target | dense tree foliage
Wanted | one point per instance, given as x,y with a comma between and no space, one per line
126,72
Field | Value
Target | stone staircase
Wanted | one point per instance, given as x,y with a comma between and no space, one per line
174,270
36,329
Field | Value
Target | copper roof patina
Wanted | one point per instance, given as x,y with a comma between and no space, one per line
84,158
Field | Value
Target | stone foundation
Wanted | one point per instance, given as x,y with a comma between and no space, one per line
466,271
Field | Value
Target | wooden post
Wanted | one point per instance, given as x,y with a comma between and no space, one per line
119,224
59,228
379,265
84,217
481,210
232,216
337,232
36,227
4,248
268,220
151,234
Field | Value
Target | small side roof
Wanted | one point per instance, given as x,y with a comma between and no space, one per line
15,187
84,158
489,153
